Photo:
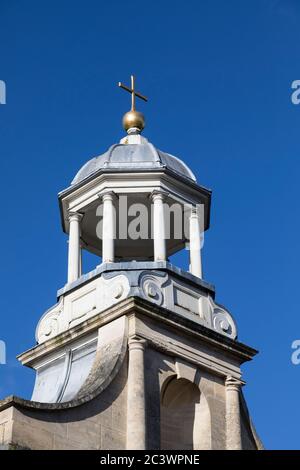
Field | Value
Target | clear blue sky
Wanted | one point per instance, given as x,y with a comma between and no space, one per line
218,75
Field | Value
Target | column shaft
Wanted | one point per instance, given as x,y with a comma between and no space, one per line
108,231
195,245
159,230
74,246
80,260
233,418
136,406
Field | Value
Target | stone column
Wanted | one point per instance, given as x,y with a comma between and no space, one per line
136,406
195,244
80,260
109,227
233,417
159,229
74,246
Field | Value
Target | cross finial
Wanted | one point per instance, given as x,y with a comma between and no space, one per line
133,121
133,92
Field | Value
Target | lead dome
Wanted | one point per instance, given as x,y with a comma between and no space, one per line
133,157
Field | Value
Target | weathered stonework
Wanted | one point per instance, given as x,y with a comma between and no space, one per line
159,282
175,351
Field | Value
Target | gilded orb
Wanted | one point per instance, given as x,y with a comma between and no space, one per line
133,119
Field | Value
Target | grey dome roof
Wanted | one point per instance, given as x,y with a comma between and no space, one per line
133,157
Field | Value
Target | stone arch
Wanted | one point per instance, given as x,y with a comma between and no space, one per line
185,421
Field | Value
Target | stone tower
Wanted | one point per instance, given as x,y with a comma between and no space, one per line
136,354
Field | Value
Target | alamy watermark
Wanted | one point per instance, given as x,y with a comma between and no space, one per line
295,96
295,357
2,92
138,220
2,352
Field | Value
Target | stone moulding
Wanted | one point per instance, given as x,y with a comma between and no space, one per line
159,283
103,372
110,355
81,304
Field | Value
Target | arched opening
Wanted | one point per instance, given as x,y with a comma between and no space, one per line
185,417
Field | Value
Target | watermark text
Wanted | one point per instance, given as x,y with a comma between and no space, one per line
2,92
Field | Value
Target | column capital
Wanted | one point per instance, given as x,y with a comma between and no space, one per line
158,194
136,342
72,215
232,383
108,196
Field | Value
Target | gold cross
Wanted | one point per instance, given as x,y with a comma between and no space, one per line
133,92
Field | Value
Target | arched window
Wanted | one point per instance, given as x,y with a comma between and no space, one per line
185,417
